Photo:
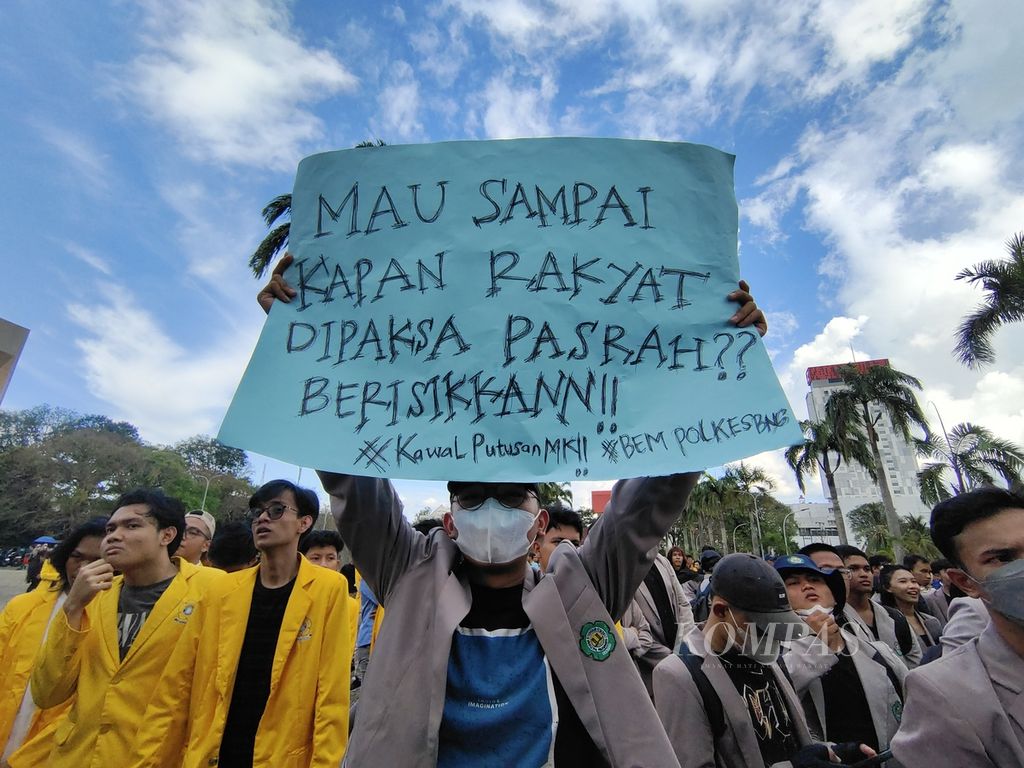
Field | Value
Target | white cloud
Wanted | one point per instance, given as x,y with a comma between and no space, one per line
130,362
233,81
88,257
399,104
79,152
513,111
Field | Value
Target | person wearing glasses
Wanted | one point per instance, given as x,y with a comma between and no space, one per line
24,623
199,529
262,675
108,645
482,660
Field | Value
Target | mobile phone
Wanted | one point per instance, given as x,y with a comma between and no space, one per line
869,762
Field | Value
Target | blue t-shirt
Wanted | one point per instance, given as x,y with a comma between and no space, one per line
500,701
367,615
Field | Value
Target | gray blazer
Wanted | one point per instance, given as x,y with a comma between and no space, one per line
968,618
808,659
426,596
686,722
886,626
647,657
932,627
965,709
938,604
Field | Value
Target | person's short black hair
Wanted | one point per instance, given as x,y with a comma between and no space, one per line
848,550
559,515
950,517
876,560
913,559
168,511
59,557
885,579
232,546
349,572
321,539
817,546
427,525
941,565
306,500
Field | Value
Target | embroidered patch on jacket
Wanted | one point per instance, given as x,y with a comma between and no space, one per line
897,711
596,640
305,631
186,610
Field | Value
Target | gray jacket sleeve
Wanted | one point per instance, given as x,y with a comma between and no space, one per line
806,660
968,618
636,632
369,515
620,548
681,710
929,736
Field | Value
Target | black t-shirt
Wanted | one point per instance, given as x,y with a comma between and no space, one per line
656,585
766,706
496,609
847,717
252,678
134,605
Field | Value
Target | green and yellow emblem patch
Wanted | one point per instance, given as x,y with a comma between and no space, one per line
597,640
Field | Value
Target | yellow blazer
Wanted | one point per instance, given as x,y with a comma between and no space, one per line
22,627
100,728
305,723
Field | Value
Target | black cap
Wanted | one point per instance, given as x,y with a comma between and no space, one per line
753,586
708,558
454,486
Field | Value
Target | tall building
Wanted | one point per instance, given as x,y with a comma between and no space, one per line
853,484
811,522
12,340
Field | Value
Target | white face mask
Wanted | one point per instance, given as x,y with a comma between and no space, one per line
764,648
493,533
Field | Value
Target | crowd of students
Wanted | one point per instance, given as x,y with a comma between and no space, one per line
504,634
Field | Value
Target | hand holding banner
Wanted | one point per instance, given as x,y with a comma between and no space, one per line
511,310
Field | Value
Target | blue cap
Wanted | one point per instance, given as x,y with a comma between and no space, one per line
832,577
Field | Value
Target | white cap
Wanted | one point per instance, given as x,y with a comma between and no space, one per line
206,517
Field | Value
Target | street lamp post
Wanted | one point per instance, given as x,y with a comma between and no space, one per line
205,490
785,538
734,549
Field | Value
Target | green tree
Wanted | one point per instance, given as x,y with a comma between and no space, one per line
279,209
749,487
551,493
33,425
826,448
868,394
972,455
917,538
869,525
1003,283
209,454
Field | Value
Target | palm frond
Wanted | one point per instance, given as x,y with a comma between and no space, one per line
268,249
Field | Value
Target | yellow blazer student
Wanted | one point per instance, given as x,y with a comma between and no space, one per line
305,722
101,725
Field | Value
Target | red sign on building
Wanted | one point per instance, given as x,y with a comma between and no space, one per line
831,372
600,500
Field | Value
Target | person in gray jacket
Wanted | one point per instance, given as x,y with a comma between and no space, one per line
967,708
666,615
724,700
851,687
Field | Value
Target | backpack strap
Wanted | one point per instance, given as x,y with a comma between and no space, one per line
709,697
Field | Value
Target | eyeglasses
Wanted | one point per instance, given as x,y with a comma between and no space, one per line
274,510
507,494
841,571
190,531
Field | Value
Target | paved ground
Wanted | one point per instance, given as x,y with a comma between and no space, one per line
12,582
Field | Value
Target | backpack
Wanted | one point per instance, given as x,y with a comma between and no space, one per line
708,695
701,604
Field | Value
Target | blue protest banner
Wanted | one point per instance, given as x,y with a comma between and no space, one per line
522,310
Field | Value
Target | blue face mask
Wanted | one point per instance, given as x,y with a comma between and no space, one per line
1004,590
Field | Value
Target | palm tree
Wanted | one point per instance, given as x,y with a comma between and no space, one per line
705,512
870,393
744,480
869,525
277,239
1003,282
552,493
975,457
826,449
916,537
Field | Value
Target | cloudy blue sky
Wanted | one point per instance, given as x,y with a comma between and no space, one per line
877,142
